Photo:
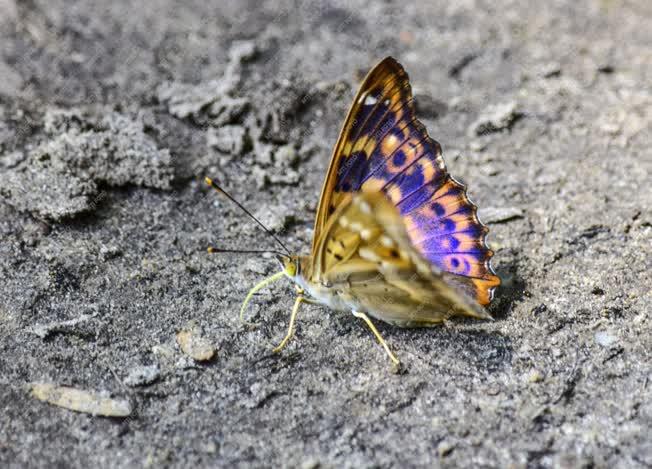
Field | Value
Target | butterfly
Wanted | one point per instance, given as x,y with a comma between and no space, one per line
396,238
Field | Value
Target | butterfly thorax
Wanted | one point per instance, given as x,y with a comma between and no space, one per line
300,272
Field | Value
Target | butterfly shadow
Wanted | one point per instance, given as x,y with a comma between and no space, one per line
490,351
511,290
487,350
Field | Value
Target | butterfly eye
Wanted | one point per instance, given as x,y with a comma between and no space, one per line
290,268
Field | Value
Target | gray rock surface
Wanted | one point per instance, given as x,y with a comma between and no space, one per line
108,119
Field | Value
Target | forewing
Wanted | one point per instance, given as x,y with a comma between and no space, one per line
383,99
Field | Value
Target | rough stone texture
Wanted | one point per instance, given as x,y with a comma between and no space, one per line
124,100
59,177
495,118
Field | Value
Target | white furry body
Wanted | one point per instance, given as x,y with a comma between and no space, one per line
327,296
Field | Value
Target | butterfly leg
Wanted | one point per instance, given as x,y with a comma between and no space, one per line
306,299
310,301
366,319
293,317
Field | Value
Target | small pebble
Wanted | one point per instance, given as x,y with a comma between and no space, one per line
495,118
476,145
109,252
286,156
604,339
549,70
163,351
142,376
289,177
444,448
264,153
208,447
535,376
311,463
227,110
500,214
227,139
195,346
242,51
44,330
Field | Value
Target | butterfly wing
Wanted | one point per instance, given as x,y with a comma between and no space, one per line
370,261
386,81
384,148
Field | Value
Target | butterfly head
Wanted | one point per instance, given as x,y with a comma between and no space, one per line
291,265
297,269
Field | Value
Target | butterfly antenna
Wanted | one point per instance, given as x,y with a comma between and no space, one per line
212,249
211,183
